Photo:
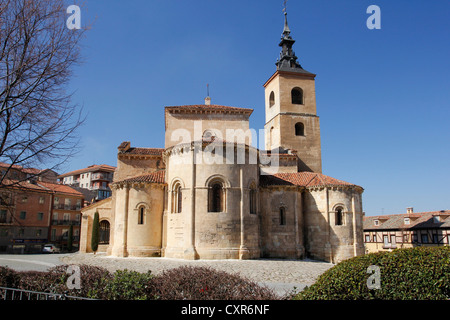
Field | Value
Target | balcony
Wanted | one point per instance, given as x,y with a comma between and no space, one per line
99,176
60,206
66,222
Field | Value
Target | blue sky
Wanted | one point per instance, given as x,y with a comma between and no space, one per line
383,96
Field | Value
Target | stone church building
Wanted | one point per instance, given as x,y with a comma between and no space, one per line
209,196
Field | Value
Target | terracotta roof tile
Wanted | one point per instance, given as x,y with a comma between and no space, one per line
60,188
154,177
145,151
303,179
418,220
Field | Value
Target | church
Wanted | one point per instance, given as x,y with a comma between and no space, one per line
209,194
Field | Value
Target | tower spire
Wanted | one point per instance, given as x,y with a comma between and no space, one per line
288,60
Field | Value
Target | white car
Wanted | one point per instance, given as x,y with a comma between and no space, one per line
50,248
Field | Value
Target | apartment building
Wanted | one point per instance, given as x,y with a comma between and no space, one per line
94,177
410,229
29,217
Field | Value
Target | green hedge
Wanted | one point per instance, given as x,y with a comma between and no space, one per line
192,283
421,273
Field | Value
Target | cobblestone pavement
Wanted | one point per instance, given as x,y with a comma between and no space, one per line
282,275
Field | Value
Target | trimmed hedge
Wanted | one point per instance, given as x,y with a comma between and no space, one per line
192,283
421,273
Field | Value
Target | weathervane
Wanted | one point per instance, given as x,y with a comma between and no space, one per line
285,9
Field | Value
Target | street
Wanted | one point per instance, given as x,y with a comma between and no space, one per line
31,262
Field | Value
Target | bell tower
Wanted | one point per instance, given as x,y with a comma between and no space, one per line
290,102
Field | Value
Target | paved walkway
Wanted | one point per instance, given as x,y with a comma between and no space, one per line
282,275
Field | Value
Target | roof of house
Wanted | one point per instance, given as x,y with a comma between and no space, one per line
144,151
303,179
92,168
154,177
41,186
417,220
209,108
60,188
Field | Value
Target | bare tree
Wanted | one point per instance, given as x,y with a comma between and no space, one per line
38,53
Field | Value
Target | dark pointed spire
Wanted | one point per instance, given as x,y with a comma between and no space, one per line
288,59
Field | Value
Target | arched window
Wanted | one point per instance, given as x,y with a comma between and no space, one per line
177,198
299,129
216,197
252,199
271,99
339,221
209,135
141,212
297,96
104,232
282,216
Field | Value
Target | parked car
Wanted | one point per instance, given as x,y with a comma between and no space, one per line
50,248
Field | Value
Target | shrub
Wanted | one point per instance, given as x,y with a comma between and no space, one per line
8,277
415,273
127,285
204,283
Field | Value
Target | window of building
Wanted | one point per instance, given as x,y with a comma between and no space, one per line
393,239
282,216
271,99
424,238
38,232
435,238
104,232
177,198
407,221
299,129
297,96
41,200
40,216
24,199
21,232
216,197
405,238
141,215
367,238
339,219
386,240
374,238
23,215
436,219
376,222
3,214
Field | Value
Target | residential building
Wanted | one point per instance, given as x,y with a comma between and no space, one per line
28,215
94,177
406,230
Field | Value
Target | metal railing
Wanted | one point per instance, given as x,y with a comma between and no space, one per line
20,294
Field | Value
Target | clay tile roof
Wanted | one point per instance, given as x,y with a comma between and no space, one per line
23,185
210,107
303,179
154,177
145,151
418,220
60,188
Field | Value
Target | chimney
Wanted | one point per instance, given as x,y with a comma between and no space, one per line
409,210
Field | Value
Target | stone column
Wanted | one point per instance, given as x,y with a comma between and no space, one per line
355,245
190,252
243,250
121,224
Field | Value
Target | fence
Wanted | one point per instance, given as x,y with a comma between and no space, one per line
19,294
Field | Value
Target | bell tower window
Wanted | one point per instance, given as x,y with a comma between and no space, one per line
297,96
271,99
299,129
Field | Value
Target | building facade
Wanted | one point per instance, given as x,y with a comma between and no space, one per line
407,230
208,194
95,178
